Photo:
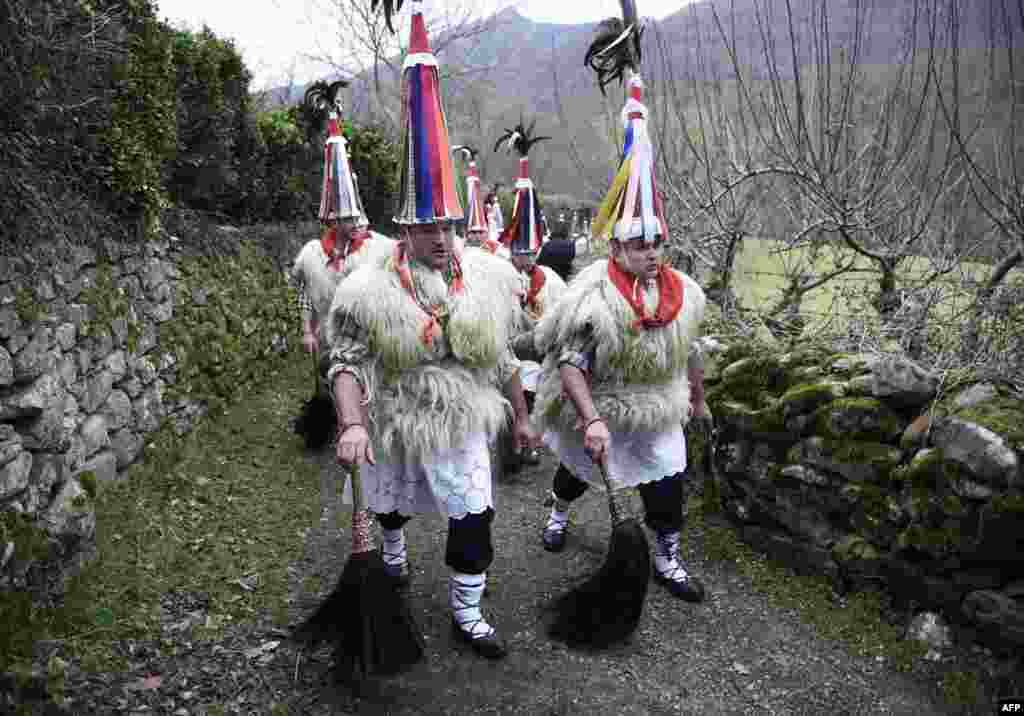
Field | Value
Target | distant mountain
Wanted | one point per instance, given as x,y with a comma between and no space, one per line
511,67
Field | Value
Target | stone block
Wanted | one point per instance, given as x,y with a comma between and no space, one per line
854,460
898,379
983,452
97,391
148,410
14,475
30,401
1000,616
117,410
127,446
9,321
102,464
6,368
67,370
35,358
101,345
116,363
47,470
94,434
10,443
71,516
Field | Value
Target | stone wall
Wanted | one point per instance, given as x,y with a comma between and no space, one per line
95,353
852,466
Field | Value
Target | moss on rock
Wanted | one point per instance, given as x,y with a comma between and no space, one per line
221,343
854,547
858,418
31,542
1003,416
856,460
807,397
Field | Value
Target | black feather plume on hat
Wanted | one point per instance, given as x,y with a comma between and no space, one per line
391,8
469,153
520,138
616,47
320,98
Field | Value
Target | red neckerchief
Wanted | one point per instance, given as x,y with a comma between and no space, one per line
405,278
330,239
670,295
537,279
490,245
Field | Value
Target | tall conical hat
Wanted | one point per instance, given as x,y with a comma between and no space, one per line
427,191
339,193
476,217
524,232
632,208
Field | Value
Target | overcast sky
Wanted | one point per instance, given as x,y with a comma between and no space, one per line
272,34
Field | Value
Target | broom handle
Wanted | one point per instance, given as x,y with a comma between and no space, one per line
316,373
361,539
613,504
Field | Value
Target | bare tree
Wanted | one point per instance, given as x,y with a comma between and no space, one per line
785,129
365,51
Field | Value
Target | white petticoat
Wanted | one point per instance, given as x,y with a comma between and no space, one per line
529,375
453,482
633,458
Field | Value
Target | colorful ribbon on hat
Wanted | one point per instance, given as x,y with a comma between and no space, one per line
632,208
427,184
523,233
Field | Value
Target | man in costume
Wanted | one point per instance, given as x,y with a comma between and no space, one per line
478,232
620,377
523,237
346,243
420,368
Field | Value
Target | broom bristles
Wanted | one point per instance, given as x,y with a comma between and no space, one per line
367,621
317,421
606,608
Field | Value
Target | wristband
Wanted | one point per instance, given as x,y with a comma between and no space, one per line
346,426
590,422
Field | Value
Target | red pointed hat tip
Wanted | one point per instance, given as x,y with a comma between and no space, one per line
634,92
418,42
524,168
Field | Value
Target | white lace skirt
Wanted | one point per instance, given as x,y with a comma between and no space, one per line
633,458
452,483
529,375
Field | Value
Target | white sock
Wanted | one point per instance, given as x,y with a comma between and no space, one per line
666,556
464,592
393,550
559,515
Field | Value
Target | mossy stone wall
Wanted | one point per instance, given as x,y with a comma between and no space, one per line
101,349
870,474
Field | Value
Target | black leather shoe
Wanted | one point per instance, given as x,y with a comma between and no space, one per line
489,647
554,540
689,589
401,574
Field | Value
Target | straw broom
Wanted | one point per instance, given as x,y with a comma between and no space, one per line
365,617
607,607
317,419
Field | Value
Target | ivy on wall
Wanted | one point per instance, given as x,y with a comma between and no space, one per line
230,311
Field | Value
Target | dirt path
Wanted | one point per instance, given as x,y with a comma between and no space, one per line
738,653
734,654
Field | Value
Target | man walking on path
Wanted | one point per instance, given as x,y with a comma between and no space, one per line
420,367
346,243
620,378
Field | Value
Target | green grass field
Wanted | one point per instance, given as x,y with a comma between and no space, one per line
760,276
